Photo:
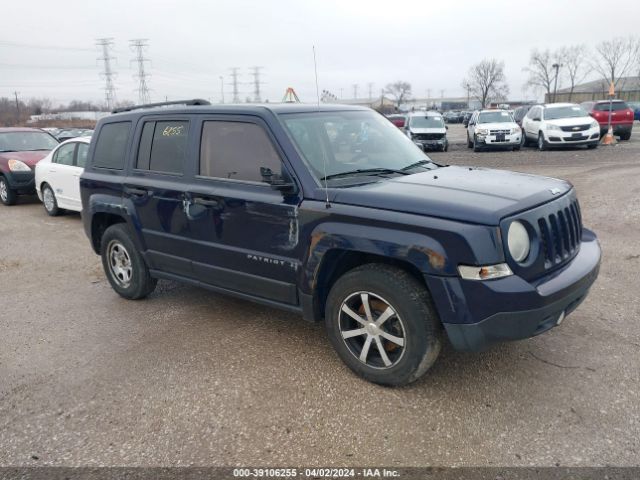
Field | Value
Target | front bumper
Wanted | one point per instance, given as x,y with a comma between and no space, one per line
509,140
438,144
477,314
23,182
560,138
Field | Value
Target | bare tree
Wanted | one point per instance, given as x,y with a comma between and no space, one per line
541,70
400,90
574,59
616,58
487,82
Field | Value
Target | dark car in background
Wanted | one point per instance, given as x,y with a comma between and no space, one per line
635,106
520,113
20,150
621,116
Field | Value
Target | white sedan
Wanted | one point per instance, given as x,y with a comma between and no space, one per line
58,176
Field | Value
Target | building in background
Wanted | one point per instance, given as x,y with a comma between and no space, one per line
628,89
92,116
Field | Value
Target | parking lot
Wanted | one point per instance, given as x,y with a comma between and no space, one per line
189,377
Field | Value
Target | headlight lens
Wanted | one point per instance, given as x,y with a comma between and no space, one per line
595,124
515,130
518,241
18,166
551,126
482,131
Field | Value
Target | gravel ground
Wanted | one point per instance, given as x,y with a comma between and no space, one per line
188,377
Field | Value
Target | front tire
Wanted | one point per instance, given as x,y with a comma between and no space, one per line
476,148
469,142
123,265
7,196
542,144
381,322
49,201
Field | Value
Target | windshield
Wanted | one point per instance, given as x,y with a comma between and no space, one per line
571,111
615,106
334,143
427,122
25,141
495,117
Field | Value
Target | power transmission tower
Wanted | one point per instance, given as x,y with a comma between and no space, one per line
370,88
255,73
109,89
234,85
355,90
139,45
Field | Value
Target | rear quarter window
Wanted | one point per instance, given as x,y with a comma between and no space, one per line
111,145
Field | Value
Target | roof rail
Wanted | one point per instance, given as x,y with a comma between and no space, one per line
195,101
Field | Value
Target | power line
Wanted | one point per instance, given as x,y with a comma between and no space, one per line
255,73
139,45
234,84
109,89
43,47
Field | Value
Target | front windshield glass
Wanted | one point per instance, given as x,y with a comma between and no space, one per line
495,117
427,122
334,143
25,141
571,111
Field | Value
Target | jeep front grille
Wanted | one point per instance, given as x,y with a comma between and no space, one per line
560,234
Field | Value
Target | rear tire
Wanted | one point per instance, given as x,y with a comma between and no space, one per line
625,136
49,201
400,347
123,265
7,196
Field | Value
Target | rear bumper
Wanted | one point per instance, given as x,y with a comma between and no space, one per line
23,182
476,315
617,128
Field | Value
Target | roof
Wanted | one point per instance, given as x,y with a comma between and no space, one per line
276,108
427,113
601,85
19,129
559,104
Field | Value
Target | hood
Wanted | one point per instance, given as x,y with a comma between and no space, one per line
428,130
473,195
30,158
566,122
497,125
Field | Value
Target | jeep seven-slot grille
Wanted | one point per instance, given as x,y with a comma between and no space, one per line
560,234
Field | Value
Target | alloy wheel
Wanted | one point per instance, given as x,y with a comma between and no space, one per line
372,330
48,199
4,193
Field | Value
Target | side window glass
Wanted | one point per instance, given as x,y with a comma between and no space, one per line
83,150
111,147
64,155
237,151
163,146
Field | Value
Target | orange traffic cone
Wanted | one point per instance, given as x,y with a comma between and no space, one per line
608,138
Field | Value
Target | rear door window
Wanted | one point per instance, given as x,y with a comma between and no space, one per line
111,146
163,146
64,154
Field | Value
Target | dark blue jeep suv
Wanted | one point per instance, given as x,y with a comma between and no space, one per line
331,212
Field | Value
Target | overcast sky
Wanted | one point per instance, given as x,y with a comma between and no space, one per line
47,48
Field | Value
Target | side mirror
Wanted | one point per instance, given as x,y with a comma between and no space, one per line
277,182
447,127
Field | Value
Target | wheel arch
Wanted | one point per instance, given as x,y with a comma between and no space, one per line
100,221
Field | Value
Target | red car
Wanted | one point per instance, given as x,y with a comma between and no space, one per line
621,116
20,150
398,120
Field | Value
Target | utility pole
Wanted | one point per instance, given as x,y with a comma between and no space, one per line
370,88
221,89
17,108
255,73
555,82
355,90
138,45
468,87
106,44
234,84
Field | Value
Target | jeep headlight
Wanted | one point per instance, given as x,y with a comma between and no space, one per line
551,126
18,166
518,241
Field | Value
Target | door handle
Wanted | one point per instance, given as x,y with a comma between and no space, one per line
208,202
138,192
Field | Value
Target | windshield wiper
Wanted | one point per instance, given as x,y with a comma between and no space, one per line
417,164
365,171
7,151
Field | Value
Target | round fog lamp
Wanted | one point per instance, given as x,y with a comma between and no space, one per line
518,241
